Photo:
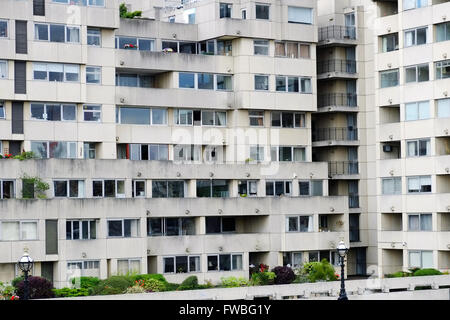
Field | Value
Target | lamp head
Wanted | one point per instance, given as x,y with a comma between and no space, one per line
342,249
25,263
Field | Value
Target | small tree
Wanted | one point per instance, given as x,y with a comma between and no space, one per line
128,15
39,288
284,275
30,185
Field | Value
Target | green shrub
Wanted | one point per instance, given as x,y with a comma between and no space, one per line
146,277
320,271
427,272
153,285
123,11
190,283
262,278
398,274
71,292
25,155
113,285
15,281
171,286
301,278
232,282
86,282
135,289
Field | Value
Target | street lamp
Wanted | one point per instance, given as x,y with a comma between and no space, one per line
26,264
342,251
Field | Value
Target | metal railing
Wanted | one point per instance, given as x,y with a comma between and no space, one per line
342,167
336,65
337,32
337,99
338,134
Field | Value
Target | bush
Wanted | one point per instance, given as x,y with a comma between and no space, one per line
232,282
135,289
146,277
398,274
39,288
301,278
153,285
283,275
190,283
171,286
6,292
15,281
427,272
317,271
262,278
86,282
113,285
71,292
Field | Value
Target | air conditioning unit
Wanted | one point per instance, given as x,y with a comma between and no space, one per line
387,148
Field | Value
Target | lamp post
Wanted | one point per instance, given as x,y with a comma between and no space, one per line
342,251
26,264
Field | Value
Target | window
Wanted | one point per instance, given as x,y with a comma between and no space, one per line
261,82
442,69
256,153
127,266
288,119
244,14
205,81
124,228
56,72
299,224
87,268
292,50
93,74
146,152
53,112
108,188
167,189
181,264
89,150
278,188
214,118
92,113
418,148
300,15
262,11
170,226
420,222
225,10
94,37
417,111
3,29
293,259
248,188
311,188
7,189
421,259
412,4
81,230
419,184
186,80
18,230
224,47
220,224
212,188
293,84
56,33
389,78
389,42
131,43
392,185
224,83
69,188
2,116
256,118
131,115
417,73
443,108
179,46
416,37
224,262
138,188
287,153
54,149
443,31
134,80
261,47
187,152
3,69
353,221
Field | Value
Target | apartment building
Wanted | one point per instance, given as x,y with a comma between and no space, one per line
178,143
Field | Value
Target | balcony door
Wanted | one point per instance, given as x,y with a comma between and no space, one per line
351,126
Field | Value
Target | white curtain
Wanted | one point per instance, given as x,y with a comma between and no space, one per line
135,151
388,186
300,15
413,184
80,189
424,110
73,34
411,112
409,38
299,154
237,262
413,222
10,230
29,231
122,267
221,118
297,259
412,148
427,259
425,222
409,4
194,263
135,266
414,259
444,108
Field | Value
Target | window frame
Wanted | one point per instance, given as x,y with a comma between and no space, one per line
64,73
163,225
123,227
284,194
138,39
421,184
300,7
66,27
6,76
97,70
417,105
94,111
302,116
260,4
20,222
150,110
268,82
414,40
263,45
61,111
439,66
384,72
2,194
417,72
417,147
298,223
48,148
90,237
7,28
218,261
419,215
116,195
394,180
67,181
174,257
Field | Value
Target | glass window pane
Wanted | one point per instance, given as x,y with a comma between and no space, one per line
205,81
186,80
57,33
224,262
134,115
169,265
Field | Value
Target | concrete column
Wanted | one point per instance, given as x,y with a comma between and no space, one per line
191,188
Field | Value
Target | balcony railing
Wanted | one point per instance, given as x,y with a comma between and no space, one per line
338,134
353,201
336,65
337,99
342,167
337,32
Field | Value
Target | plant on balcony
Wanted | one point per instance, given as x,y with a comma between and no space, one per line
128,15
32,185
320,271
284,275
39,288
25,155
233,282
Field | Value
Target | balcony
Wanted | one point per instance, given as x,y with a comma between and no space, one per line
343,168
337,35
336,69
337,102
334,136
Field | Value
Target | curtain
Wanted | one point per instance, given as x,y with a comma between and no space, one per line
300,15
39,149
292,50
73,34
413,185
444,108
3,69
72,150
57,149
159,116
414,259
424,110
427,259
221,118
412,148
120,189
122,267
299,154
55,72
80,189
409,38
409,4
72,71
306,85
280,49
10,230
310,224
425,222
297,259
194,263
29,231
135,266
413,222
411,112
388,186
237,262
